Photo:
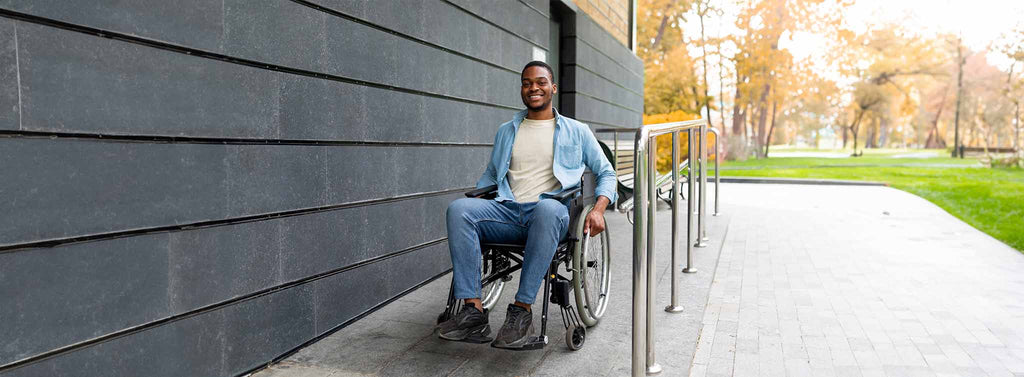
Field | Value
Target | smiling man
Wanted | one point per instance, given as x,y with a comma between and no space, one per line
536,155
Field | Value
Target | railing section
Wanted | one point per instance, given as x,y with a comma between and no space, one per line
644,360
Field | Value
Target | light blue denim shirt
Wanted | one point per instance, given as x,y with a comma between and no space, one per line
575,149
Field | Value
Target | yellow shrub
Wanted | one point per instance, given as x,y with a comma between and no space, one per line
664,156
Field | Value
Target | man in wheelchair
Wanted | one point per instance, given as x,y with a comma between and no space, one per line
535,170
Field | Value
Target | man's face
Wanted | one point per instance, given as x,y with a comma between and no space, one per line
537,88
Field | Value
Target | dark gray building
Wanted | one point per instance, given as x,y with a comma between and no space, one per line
193,188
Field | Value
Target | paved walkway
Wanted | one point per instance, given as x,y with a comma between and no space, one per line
397,340
858,281
811,281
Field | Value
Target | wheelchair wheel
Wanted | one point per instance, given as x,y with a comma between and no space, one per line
591,275
491,292
575,336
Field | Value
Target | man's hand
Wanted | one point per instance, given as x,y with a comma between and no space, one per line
594,224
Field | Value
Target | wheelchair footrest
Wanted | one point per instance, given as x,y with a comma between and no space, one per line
535,343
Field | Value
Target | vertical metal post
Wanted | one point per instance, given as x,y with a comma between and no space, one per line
674,307
718,184
615,157
652,207
639,255
689,201
702,236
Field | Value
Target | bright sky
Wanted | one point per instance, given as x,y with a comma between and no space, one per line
980,21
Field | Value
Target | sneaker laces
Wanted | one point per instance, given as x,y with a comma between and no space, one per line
514,314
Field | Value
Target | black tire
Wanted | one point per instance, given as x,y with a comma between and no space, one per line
591,275
575,337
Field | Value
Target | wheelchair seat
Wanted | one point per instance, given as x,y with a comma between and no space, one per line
585,258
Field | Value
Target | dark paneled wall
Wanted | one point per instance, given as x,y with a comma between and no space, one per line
196,188
602,80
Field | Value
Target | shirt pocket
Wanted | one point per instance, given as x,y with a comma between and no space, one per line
570,156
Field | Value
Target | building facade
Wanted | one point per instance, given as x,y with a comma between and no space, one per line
198,188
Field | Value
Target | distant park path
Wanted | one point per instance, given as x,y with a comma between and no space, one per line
858,281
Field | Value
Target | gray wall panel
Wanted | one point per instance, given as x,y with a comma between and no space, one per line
107,186
314,109
542,6
302,40
80,83
192,23
594,111
342,296
244,335
199,340
600,87
593,60
592,33
95,288
265,179
270,325
54,297
9,106
400,170
278,32
63,188
511,15
210,265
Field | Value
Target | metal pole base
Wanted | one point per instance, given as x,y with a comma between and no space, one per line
689,270
716,214
700,244
653,369
674,309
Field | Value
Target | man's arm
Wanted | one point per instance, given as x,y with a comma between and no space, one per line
605,191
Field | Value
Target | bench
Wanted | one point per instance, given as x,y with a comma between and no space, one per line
621,159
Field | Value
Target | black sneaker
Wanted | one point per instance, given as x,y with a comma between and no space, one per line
469,325
516,331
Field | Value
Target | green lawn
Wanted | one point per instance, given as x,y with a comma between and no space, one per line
991,200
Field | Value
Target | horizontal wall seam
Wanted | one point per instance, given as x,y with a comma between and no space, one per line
535,9
345,324
616,83
592,122
477,16
604,101
618,63
209,308
424,42
159,139
230,59
51,243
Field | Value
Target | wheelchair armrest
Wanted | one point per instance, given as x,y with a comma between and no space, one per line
562,196
480,192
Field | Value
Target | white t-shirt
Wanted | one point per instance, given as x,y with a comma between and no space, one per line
530,171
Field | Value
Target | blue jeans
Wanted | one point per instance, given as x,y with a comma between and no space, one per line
472,221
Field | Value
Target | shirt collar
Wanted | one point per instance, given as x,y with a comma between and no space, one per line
518,118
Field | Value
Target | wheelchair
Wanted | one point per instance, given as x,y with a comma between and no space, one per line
587,259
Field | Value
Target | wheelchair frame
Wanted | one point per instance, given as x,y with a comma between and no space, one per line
506,259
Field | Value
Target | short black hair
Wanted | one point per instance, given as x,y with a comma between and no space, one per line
538,63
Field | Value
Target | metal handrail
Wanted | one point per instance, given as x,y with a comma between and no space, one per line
645,186
643,233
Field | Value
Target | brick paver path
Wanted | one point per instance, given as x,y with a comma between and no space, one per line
858,281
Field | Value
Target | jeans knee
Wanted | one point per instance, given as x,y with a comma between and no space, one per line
551,209
458,208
